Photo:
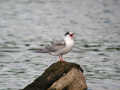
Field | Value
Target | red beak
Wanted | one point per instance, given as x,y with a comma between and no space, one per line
72,35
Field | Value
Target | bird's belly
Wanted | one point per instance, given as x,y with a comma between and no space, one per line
61,52
66,50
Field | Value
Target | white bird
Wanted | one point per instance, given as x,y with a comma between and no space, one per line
59,48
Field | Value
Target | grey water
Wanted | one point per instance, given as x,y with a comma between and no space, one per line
29,23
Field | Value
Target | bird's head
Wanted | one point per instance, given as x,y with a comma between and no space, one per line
69,34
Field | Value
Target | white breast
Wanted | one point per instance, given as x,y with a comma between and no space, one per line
68,45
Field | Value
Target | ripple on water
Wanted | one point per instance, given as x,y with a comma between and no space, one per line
27,23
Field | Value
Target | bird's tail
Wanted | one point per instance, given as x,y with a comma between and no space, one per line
39,50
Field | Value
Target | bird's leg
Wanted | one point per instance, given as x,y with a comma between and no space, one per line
61,58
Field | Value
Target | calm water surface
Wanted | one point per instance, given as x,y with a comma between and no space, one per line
28,23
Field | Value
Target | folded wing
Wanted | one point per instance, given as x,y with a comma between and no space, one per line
55,46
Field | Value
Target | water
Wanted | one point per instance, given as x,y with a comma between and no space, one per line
28,23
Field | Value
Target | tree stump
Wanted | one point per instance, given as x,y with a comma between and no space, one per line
60,76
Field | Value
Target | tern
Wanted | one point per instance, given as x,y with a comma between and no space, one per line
59,48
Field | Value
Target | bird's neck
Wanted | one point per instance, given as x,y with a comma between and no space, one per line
69,41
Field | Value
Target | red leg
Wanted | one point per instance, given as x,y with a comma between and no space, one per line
61,59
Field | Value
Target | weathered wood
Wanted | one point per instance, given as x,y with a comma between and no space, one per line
73,80
60,76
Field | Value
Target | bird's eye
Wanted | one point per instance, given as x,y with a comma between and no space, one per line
71,35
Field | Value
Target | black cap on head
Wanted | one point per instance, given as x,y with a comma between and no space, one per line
67,33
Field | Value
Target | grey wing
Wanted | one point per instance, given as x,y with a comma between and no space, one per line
53,47
56,45
58,42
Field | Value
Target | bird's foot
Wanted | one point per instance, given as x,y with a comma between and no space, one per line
61,60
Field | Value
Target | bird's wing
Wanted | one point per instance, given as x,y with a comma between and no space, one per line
53,47
58,42
56,45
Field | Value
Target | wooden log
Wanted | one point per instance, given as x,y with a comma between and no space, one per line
60,76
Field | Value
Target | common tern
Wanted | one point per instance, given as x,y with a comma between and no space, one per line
59,48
